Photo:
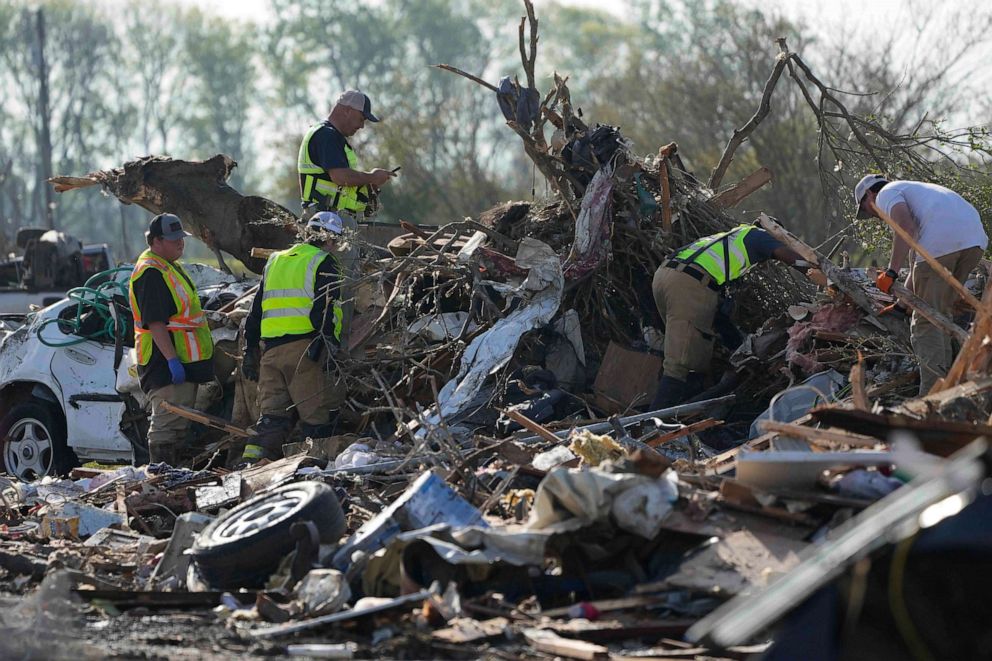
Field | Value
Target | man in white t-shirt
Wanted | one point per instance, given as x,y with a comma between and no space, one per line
950,230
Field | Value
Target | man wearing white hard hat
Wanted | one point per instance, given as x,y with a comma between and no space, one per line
296,316
950,230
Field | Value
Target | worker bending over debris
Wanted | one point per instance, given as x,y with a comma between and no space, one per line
688,290
950,230
297,316
172,341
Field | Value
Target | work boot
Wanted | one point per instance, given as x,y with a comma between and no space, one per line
694,384
266,443
163,453
671,391
325,430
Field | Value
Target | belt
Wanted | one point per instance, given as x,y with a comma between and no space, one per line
691,270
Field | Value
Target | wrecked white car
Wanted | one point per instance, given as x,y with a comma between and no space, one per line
68,388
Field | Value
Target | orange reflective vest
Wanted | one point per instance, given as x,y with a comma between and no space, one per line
187,327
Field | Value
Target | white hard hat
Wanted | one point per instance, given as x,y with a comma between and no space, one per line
327,221
863,187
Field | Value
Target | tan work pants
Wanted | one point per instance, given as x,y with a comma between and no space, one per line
931,345
688,308
167,431
288,379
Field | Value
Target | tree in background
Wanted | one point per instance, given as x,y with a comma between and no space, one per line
123,82
126,82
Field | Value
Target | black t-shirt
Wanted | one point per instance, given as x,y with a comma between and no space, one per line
327,147
326,287
156,304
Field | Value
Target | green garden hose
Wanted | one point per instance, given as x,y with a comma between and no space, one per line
97,299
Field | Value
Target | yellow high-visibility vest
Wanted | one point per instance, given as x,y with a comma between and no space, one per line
187,327
315,186
721,255
288,292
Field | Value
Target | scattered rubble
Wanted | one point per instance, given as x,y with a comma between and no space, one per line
500,490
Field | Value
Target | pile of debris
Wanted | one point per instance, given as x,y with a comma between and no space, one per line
500,490
612,538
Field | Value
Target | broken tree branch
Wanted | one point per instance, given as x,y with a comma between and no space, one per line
741,134
845,283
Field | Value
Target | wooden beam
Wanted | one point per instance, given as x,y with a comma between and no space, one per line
666,196
742,189
979,330
844,282
551,643
684,431
722,462
928,312
205,419
857,380
531,426
829,438
923,406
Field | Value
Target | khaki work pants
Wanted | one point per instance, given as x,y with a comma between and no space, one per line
688,308
167,431
288,379
931,345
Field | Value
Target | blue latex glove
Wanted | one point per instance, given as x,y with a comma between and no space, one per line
178,371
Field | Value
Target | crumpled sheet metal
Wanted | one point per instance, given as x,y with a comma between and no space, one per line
540,295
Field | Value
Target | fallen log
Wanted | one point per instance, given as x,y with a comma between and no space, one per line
197,192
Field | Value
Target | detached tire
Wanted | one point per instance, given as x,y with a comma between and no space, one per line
243,547
33,441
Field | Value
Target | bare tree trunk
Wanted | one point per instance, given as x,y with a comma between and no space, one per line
44,129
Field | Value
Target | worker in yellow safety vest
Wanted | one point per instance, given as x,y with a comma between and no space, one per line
330,179
690,289
296,315
172,342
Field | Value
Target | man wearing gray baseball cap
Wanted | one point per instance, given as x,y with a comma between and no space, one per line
950,230
330,179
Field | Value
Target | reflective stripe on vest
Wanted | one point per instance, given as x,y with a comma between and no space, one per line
316,187
719,252
187,327
288,292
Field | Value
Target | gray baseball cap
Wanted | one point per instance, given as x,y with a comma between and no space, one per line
359,101
168,226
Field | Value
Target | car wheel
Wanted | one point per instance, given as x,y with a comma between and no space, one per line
34,443
244,546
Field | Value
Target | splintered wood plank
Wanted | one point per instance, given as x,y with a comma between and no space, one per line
743,188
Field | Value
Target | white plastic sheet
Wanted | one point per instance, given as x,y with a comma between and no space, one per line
539,294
